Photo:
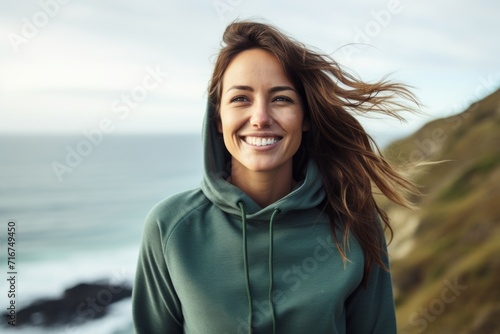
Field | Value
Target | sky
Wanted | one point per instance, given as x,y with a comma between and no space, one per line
130,66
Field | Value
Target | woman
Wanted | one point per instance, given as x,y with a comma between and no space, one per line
284,235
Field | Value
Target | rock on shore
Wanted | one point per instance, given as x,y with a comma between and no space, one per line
78,304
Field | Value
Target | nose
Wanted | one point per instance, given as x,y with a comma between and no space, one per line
261,117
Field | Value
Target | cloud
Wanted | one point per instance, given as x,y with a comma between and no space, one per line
89,53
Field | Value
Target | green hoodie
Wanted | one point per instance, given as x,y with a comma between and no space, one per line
211,259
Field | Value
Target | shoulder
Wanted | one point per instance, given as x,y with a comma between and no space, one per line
172,211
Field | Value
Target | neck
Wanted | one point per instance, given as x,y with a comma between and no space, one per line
266,187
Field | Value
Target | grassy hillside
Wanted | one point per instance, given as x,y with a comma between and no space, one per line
446,256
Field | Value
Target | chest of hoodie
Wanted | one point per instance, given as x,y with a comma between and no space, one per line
205,259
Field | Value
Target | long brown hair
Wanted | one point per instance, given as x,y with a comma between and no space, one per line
348,159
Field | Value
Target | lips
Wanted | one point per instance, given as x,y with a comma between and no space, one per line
261,141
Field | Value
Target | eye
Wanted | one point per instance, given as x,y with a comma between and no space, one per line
239,99
282,99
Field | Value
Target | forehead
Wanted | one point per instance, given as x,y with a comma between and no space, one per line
255,67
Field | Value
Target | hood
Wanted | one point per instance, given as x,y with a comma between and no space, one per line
307,193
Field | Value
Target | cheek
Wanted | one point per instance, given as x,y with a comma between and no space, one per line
296,127
228,123
295,122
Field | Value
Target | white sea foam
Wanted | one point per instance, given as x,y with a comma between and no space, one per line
88,227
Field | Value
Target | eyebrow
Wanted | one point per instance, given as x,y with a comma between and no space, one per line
271,90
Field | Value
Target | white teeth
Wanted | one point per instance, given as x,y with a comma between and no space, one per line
260,141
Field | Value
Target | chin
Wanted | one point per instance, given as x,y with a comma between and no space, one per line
262,166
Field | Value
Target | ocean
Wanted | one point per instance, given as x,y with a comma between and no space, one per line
79,205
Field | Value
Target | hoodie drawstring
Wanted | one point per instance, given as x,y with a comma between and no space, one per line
245,263
271,268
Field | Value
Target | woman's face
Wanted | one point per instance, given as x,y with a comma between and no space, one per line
261,116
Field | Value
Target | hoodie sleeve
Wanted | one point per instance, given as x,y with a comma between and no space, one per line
370,309
155,305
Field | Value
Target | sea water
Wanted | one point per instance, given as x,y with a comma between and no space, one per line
79,210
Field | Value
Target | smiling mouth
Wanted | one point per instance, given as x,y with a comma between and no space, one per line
261,141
